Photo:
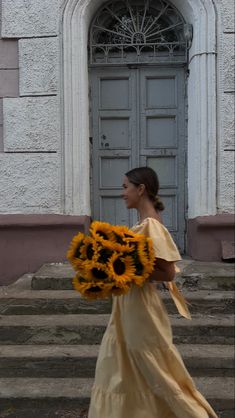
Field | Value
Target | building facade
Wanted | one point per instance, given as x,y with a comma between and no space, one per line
92,88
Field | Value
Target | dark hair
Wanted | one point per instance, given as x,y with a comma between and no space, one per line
148,177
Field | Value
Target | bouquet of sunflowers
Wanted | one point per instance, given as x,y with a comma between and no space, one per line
109,260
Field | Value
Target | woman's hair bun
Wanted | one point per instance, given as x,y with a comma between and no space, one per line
158,203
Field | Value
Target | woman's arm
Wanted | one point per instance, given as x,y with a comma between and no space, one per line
164,271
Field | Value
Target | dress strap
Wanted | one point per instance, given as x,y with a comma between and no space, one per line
179,300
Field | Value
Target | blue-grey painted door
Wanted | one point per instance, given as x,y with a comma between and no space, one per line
138,118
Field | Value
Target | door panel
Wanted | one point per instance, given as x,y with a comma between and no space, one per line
113,149
163,140
166,168
161,131
111,171
160,92
115,132
138,119
114,93
113,210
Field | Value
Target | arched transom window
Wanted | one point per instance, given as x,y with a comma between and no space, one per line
138,31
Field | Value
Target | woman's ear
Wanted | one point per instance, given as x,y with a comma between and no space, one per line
141,189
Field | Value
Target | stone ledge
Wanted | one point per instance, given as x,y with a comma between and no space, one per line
38,220
221,221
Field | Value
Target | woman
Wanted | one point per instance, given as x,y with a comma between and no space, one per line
139,372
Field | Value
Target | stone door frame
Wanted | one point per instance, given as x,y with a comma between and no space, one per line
202,112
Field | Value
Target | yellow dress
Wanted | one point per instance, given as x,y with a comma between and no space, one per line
139,372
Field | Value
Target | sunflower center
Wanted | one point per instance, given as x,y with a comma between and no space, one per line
118,239
139,269
77,253
128,236
138,265
99,274
89,252
119,267
104,255
102,234
94,289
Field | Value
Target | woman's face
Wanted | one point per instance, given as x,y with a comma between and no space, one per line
131,193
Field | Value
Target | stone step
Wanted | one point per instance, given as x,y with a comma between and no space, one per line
194,275
20,299
207,275
89,329
80,360
42,395
44,302
38,410
53,277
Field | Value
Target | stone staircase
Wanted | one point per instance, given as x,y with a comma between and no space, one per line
50,339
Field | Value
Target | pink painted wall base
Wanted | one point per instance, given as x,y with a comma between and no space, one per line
29,241
206,235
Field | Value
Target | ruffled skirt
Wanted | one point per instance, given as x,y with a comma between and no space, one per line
139,372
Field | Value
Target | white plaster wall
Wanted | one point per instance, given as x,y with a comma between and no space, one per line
228,70
31,178
228,138
31,124
226,110
227,184
30,18
29,183
39,66
228,15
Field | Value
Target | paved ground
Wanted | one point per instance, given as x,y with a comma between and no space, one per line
29,413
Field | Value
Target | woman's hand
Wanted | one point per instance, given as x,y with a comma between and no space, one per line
164,271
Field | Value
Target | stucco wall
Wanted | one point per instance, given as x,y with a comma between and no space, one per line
226,110
31,140
30,117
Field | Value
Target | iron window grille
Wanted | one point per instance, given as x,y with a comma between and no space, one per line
138,31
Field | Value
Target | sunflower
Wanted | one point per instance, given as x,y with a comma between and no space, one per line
110,260
104,255
97,292
121,268
91,290
94,271
146,255
144,260
110,236
124,232
120,289
90,249
74,251
102,232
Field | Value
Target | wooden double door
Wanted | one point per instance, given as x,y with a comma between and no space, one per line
137,118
